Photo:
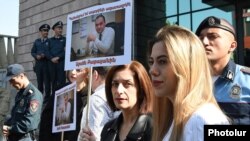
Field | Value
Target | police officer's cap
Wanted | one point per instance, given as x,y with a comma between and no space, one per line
14,70
214,22
58,24
44,27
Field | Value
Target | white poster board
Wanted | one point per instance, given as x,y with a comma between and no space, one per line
118,16
64,115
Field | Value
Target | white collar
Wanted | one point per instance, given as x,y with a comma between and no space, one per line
100,87
214,78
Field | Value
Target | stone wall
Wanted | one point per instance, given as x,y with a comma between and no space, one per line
34,13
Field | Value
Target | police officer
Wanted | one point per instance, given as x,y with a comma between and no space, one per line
41,62
231,81
25,115
56,55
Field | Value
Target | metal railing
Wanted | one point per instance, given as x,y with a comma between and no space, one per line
8,55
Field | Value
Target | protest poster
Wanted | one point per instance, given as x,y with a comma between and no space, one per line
85,48
64,115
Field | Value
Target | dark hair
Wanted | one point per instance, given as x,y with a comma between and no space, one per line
102,71
144,86
100,16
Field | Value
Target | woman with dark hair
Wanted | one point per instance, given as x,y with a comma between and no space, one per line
128,89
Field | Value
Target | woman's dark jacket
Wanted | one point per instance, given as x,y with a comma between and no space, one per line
81,101
141,130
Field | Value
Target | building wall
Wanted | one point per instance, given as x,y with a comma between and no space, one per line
34,13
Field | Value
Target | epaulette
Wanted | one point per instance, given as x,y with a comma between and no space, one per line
245,70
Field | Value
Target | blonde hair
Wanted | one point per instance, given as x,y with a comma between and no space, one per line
85,80
194,84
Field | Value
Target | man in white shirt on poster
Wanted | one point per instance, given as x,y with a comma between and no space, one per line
101,42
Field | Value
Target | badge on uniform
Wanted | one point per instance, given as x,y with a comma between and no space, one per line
211,21
235,91
230,75
34,104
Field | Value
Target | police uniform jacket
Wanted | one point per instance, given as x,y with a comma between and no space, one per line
141,130
39,47
56,48
4,104
232,91
25,115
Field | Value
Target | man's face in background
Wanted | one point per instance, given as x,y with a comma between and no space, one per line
17,82
58,31
44,33
99,25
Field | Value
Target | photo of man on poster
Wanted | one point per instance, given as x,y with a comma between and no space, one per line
101,41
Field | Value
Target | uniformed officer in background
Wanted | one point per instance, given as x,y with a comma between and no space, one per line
231,81
56,56
25,115
41,62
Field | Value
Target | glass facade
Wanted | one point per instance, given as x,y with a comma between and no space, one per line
189,13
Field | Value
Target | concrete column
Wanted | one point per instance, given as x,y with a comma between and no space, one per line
10,53
3,57
15,50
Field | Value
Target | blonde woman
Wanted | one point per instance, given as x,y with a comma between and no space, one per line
182,83
80,76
